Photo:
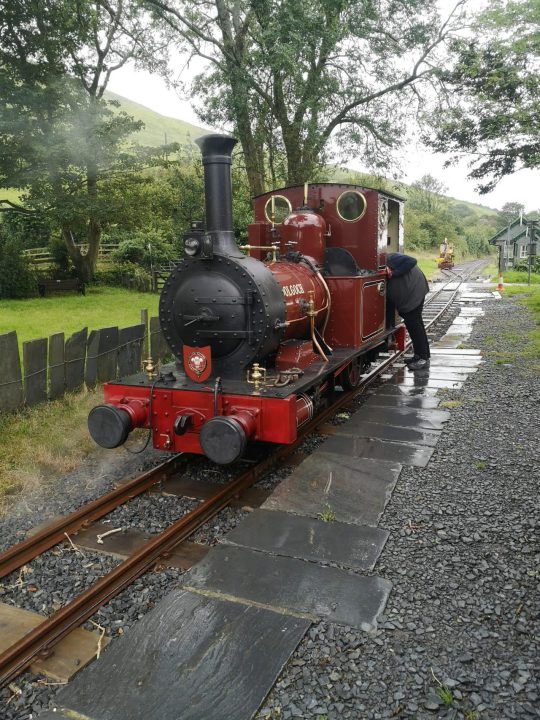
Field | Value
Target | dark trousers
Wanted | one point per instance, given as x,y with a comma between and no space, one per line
415,326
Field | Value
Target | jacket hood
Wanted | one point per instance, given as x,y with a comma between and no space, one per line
400,263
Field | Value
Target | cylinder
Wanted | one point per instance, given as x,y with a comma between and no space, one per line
216,157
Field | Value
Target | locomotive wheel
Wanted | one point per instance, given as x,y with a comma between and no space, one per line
351,376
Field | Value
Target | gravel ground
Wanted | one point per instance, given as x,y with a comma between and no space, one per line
456,584
458,637
99,474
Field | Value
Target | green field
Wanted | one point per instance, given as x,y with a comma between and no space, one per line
100,307
427,264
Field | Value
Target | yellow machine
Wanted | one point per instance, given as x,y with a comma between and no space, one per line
445,260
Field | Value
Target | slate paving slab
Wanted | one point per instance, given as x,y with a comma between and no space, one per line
404,417
451,361
306,538
438,373
190,658
425,403
422,380
357,489
368,448
462,352
379,431
291,585
407,390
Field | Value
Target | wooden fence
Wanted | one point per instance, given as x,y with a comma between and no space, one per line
42,255
54,366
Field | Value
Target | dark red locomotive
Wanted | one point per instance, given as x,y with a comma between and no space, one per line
260,339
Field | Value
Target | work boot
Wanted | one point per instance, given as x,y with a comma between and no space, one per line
410,358
419,364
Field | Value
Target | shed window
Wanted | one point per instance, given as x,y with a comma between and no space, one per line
523,253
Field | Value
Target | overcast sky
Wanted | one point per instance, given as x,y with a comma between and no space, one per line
522,187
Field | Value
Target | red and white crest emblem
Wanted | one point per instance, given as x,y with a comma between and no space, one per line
197,362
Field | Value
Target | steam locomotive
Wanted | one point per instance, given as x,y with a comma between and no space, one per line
262,334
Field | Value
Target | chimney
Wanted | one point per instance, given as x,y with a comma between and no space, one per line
216,156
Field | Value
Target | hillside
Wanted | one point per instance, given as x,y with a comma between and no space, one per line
462,208
158,129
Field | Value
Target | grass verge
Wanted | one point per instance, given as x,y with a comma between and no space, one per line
100,307
514,276
530,297
38,445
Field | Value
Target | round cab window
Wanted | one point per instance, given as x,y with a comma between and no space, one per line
351,205
277,208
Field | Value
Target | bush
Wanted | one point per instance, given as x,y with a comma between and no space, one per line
17,279
60,254
126,274
30,231
523,265
147,249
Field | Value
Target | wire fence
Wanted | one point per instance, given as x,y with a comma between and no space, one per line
53,366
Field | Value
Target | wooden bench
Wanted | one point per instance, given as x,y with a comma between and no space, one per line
46,285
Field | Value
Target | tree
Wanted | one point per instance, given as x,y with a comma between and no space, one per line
427,195
292,77
509,212
496,77
61,141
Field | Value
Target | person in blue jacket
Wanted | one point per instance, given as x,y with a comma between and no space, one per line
407,288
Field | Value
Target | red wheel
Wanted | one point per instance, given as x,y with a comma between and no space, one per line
351,376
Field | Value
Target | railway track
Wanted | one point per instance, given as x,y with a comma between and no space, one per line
41,641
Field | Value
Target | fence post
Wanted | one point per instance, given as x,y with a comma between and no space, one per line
146,345
57,366
11,387
35,370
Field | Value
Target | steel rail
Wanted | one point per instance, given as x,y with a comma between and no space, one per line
40,641
460,282
18,555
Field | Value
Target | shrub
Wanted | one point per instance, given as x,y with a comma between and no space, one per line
30,231
124,274
523,265
60,255
17,279
146,249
